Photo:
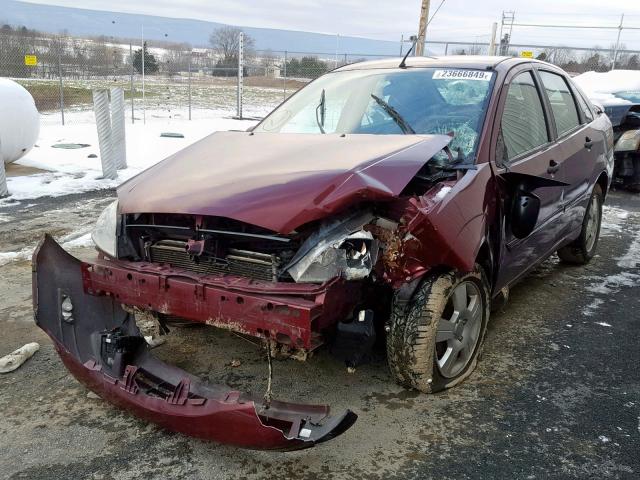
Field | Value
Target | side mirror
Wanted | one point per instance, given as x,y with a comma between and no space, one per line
524,213
598,108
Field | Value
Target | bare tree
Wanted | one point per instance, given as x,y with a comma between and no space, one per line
226,41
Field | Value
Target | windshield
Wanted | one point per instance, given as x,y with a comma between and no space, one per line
424,101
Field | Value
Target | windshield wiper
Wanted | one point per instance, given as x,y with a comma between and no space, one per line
393,113
322,107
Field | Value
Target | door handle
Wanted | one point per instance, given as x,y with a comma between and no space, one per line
588,143
553,167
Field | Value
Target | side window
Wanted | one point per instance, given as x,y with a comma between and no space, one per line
584,106
563,106
523,126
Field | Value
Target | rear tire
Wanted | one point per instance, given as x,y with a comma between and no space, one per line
582,250
435,340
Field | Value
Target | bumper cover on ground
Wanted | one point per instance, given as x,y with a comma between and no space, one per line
101,346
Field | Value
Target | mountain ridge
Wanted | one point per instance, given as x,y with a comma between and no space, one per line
87,22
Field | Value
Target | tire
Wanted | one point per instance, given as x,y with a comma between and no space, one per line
582,250
416,359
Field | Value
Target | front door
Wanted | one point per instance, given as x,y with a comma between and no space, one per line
525,145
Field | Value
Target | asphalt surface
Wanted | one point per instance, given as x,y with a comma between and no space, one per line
555,395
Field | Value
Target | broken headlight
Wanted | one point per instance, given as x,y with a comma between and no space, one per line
104,233
341,249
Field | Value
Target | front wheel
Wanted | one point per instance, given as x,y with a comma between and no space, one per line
434,341
582,250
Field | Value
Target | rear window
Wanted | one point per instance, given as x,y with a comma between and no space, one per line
562,103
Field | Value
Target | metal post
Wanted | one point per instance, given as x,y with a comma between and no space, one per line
336,58
446,49
144,106
118,128
401,43
285,77
4,189
103,123
190,54
240,74
60,81
617,47
132,91
492,44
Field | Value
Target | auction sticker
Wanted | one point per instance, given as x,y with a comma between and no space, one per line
461,74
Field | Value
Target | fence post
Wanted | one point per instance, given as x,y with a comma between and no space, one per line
190,55
118,134
240,74
446,49
132,91
284,85
103,123
60,81
617,45
4,190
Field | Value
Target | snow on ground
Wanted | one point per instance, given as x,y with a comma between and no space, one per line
74,240
615,221
631,259
72,171
600,86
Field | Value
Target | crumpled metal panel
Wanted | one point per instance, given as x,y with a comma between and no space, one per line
279,181
101,346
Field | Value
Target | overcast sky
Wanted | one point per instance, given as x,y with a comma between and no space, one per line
462,20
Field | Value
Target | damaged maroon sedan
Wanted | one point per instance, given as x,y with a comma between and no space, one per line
390,199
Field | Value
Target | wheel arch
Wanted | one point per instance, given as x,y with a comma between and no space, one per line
603,181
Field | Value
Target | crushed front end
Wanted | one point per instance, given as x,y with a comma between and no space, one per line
80,306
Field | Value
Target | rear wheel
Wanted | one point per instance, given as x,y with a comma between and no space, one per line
435,340
582,250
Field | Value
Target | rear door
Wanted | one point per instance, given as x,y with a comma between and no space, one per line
579,145
525,144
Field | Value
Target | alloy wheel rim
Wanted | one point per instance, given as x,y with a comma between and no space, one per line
593,223
459,329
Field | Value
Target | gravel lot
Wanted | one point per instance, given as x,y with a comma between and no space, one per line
556,394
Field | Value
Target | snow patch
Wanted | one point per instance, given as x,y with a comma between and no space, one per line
592,307
72,171
604,439
613,220
607,83
614,283
73,240
631,259
8,257
603,324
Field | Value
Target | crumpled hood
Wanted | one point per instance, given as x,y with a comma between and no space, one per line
278,181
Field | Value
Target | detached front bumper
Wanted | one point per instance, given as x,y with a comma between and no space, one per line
101,346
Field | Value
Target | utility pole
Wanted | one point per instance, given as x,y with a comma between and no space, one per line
422,29
616,48
492,44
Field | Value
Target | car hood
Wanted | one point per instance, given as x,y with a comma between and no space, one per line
278,181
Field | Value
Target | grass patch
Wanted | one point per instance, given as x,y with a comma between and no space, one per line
47,94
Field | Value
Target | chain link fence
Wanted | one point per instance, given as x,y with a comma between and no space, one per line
180,82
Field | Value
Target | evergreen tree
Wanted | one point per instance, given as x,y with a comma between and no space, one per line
150,62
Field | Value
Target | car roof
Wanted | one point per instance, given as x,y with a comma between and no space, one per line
451,61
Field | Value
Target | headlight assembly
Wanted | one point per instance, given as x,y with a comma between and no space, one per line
341,249
104,234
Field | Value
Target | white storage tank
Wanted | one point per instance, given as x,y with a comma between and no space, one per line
19,121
